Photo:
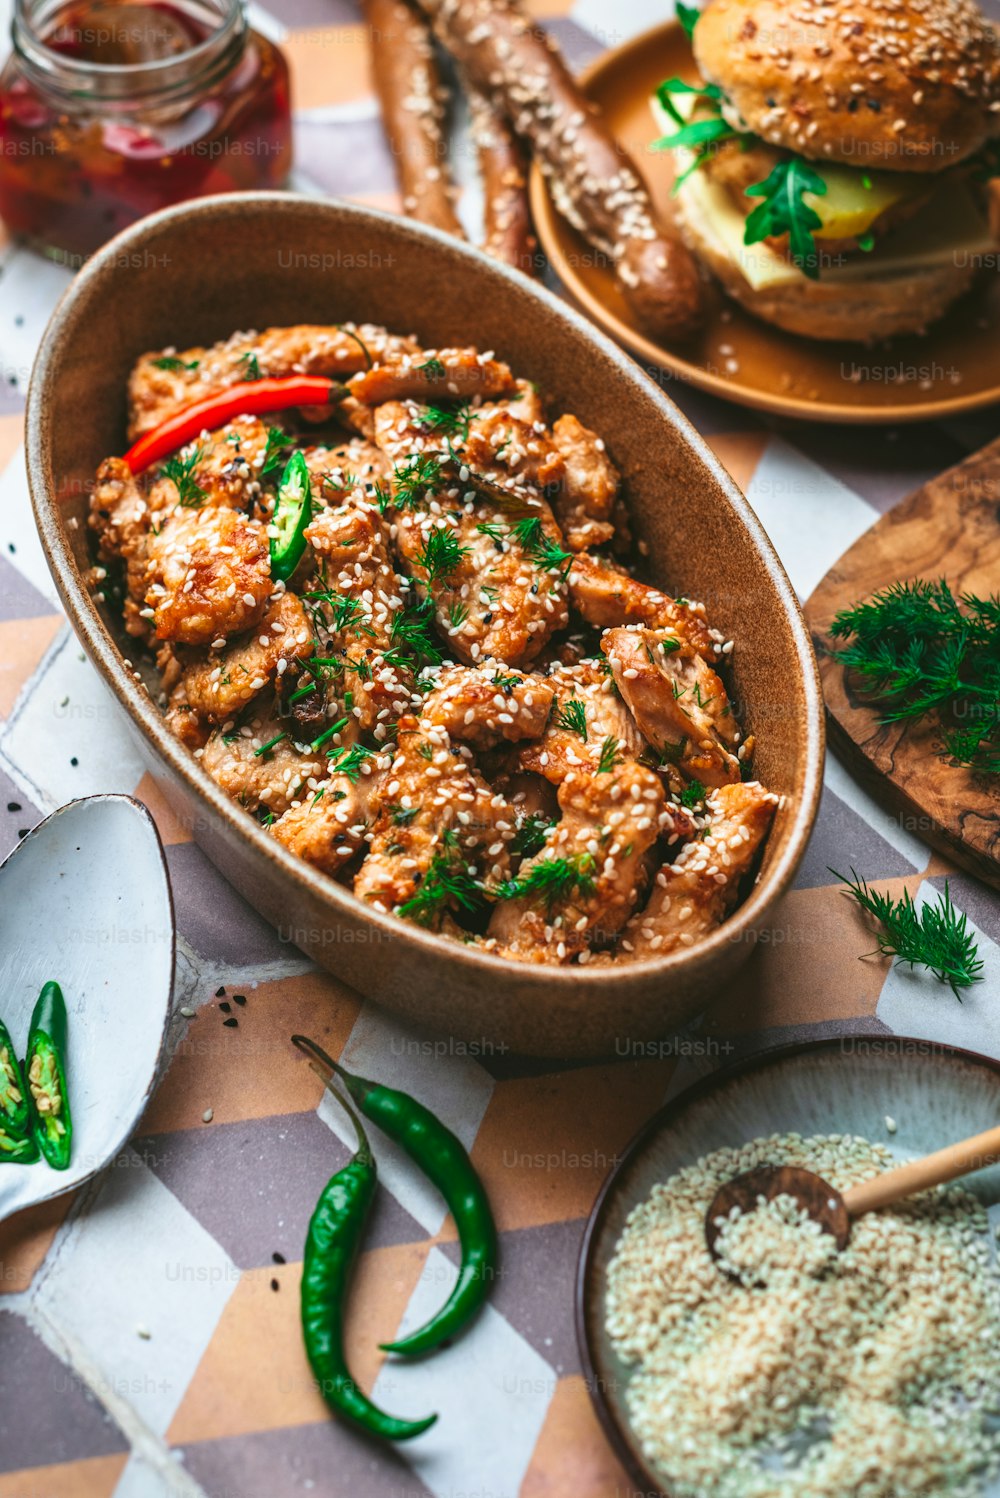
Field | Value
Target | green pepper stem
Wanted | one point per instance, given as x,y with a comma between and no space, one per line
322,1064
358,1087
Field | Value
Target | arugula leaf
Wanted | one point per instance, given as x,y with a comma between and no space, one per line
698,133
671,86
785,211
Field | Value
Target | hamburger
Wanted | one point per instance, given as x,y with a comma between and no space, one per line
833,163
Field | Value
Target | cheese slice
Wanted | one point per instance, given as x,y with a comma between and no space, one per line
949,224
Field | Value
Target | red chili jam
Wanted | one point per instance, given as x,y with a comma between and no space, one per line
109,111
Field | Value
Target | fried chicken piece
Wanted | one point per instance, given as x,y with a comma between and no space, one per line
220,686
493,568
607,596
693,895
525,404
165,380
360,600
337,472
328,826
431,375
502,446
184,723
586,503
272,779
588,713
208,576
439,831
583,885
677,700
221,469
120,518
489,705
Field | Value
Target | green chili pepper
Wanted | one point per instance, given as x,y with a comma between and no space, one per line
15,1110
335,1232
292,513
45,1068
443,1159
16,1149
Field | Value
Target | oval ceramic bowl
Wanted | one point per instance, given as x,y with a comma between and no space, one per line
197,273
934,1094
84,900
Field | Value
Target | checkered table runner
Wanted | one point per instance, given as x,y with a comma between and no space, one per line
149,1340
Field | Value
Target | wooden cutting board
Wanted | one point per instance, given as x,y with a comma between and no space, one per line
950,528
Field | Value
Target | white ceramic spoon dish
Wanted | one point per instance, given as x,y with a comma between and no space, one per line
85,900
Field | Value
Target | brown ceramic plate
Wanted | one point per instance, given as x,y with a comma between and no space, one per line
197,273
953,368
845,1086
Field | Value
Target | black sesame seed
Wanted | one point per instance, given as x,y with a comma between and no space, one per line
852,106
275,1285
13,806
874,106
239,998
226,1007
230,1023
220,993
279,1258
74,761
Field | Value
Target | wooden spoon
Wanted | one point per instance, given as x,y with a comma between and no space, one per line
835,1211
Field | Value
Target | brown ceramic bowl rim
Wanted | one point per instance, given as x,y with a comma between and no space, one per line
621,1439
547,222
106,656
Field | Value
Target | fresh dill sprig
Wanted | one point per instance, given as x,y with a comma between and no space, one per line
413,478
251,366
447,882
189,492
936,936
411,643
573,717
451,420
552,880
917,649
433,368
507,684
346,613
531,834
610,755
174,365
351,762
538,547
440,554
457,615
497,533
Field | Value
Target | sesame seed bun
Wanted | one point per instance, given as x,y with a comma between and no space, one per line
902,85
860,311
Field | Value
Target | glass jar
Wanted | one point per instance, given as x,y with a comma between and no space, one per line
110,109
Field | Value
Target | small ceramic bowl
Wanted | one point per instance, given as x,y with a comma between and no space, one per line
85,901
934,1094
198,273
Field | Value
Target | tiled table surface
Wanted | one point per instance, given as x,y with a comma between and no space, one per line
149,1339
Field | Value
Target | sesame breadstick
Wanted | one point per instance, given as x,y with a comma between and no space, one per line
507,233
413,101
593,182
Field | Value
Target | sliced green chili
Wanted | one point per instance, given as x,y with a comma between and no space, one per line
17,1149
292,513
45,1069
15,1109
443,1159
335,1232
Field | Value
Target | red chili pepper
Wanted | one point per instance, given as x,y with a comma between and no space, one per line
249,398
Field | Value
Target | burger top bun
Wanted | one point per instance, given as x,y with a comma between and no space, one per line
901,85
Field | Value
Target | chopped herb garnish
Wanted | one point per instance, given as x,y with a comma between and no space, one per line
411,643
457,615
552,880
610,755
274,452
328,733
302,692
412,479
266,748
251,367
573,717
531,834
507,684
688,17
174,365
351,762
693,794
446,883
433,368
440,554
452,420
181,470
404,815
936,936
539,547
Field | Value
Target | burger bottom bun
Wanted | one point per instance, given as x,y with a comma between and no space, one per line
859,310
